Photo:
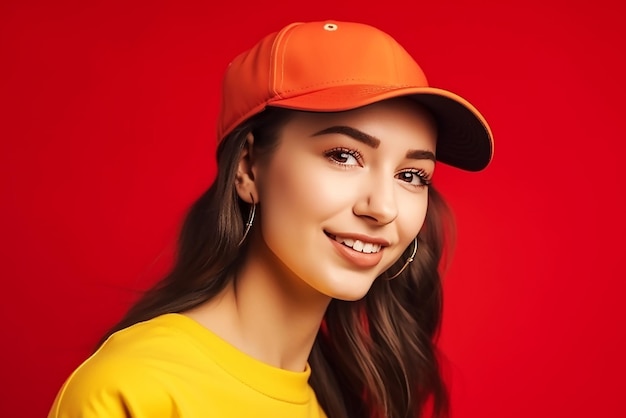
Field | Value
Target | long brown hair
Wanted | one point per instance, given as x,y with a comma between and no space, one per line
375,357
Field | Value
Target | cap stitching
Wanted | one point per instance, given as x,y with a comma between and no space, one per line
279,61
371,88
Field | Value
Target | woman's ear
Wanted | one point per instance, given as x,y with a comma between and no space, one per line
245,180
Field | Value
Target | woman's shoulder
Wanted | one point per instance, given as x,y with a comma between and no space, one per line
134,368
150,345
155,336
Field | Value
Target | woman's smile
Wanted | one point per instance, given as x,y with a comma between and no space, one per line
362,251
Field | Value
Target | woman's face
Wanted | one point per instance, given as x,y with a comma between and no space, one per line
344,194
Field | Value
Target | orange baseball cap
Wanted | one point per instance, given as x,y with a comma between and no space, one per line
334,66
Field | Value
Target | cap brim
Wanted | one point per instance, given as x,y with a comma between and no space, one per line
464,138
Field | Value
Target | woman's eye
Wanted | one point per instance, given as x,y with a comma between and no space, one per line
343,156
414,178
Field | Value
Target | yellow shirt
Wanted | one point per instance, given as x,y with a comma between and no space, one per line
171,366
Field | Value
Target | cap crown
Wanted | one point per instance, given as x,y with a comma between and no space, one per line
304,58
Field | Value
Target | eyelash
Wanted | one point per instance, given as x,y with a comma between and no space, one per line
420,174
331,155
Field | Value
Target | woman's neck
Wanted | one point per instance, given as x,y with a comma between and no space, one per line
266,312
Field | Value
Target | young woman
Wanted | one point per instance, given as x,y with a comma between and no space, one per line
307,282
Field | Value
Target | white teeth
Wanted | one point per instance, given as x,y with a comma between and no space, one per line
360,246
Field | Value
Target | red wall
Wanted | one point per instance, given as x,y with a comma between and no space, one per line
107,114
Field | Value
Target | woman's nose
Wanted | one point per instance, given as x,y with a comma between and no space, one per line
377,201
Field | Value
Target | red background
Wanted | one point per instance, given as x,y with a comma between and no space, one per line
107,134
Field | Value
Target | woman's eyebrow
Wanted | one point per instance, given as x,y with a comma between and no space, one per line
352,133
419,154
372,141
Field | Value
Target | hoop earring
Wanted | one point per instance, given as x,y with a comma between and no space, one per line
408,261
250,220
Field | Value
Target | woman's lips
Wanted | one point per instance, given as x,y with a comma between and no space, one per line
358,250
